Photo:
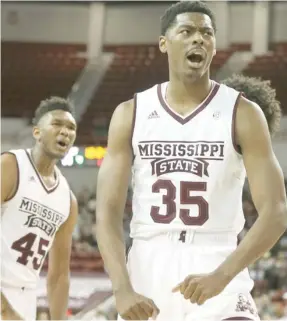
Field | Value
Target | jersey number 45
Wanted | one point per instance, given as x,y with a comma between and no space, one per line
25,246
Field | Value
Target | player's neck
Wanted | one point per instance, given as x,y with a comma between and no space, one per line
188,90
44,164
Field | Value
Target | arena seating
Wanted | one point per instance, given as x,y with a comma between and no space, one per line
135,68
33,71
273,67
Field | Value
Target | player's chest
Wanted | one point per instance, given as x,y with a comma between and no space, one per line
210,127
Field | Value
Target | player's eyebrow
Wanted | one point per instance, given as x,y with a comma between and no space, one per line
61,120
193,26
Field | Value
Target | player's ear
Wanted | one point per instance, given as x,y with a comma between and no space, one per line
36,132
162,44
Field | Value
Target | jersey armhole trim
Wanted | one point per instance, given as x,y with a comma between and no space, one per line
233,126
133,124
71,199
18,178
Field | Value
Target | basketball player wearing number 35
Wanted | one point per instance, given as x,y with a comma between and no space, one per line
189,142
39,213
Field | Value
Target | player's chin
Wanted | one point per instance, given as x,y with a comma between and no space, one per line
194,74
56,154
197,72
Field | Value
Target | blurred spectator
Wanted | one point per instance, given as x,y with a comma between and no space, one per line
268,273
84,234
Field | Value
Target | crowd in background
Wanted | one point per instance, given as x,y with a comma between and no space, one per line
269,273
84,234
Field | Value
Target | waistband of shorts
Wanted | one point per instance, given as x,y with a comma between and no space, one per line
10,285
199,238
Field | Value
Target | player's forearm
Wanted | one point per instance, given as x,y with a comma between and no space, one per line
58,296
260,238
111,244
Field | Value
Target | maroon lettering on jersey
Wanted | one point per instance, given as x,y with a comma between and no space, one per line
178,157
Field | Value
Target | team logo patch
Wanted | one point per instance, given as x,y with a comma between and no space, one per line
35,221
245,305
40,216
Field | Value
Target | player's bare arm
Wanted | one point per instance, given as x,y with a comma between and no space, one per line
112,186
9,181
9,176
266,185
58,280
268,193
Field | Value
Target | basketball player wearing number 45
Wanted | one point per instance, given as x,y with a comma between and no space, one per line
188,142
38,216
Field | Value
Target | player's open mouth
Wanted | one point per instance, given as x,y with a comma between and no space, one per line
195,59
62,144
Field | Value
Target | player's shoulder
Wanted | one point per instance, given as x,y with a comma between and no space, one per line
123,115
10,175
227,90
250,120
244,105
9,165
149,90
248,111
13,153
9,159
127,107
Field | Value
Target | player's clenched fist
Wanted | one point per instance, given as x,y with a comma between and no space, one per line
133,306
199,288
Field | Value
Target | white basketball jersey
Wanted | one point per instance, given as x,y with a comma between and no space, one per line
30,221
187,173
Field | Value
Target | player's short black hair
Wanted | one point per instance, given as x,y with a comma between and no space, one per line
182,7
50,104
260,92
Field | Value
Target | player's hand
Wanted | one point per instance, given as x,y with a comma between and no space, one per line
133,306
201,287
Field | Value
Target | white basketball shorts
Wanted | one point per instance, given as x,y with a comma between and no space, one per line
22,300
158,264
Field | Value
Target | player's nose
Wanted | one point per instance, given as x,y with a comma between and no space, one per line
197,38
64,131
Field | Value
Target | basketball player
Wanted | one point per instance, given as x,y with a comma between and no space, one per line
39,213
188,142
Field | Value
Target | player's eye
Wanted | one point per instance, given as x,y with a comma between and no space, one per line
208,32
185,32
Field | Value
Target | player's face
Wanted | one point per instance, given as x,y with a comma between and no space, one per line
56,133
190,44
